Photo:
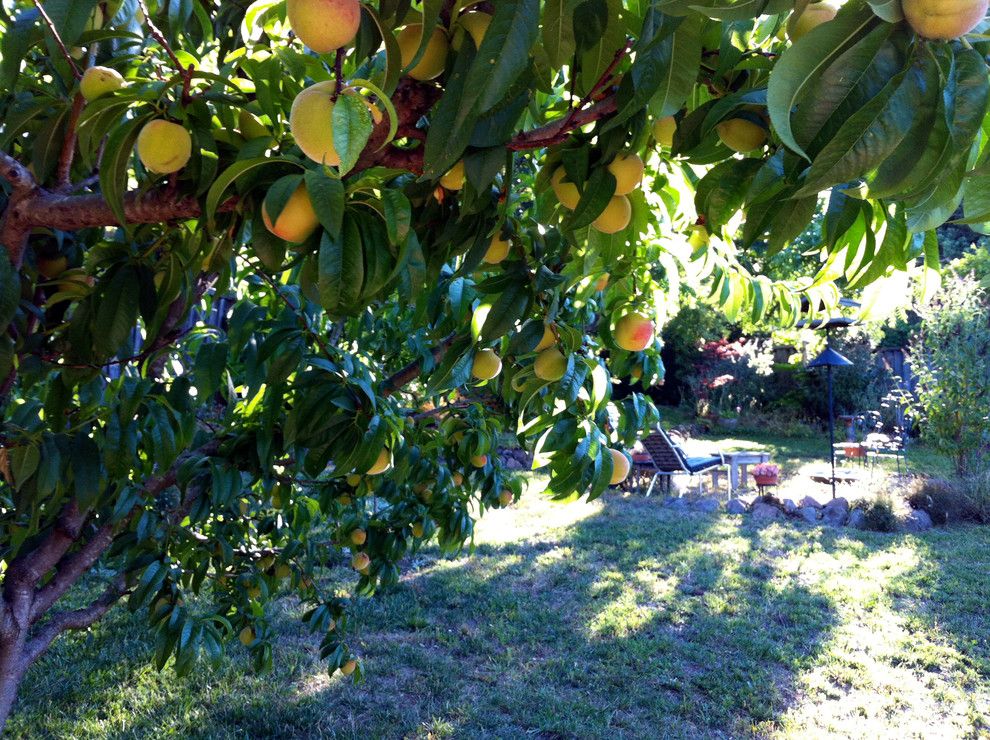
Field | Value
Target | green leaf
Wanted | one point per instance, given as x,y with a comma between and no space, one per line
430,20
117,311
393,55
114,164
278,195
398,215
507,309
504,53
70,18
802,63
211,361
23,32
867,137
921,140
48,143
722,191
85,460
328,198
598,191
10,292
478,82
352,127
230,175
341,268
591,19
652,66
597,57
845,86
683,63
24,461
558,31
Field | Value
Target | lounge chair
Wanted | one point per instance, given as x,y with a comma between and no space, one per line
668,459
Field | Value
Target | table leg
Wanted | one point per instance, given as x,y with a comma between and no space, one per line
733,477
743,470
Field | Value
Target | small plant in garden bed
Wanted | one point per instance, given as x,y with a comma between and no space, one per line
880,515
951,501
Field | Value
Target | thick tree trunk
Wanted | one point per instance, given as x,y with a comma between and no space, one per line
14,624
11,652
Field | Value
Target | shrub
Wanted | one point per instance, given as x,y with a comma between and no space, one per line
976,488
949,360
948,501
880,515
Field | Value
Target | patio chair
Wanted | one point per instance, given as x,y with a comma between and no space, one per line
669,459
879,446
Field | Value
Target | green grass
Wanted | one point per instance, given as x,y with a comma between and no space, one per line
612,618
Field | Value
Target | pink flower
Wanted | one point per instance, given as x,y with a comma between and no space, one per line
766,469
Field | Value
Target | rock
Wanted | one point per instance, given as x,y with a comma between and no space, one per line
810,501
707,504
857,519
735,506
809,514
790,507
918,521
766,512
835,512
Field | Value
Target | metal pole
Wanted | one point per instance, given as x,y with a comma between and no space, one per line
831,428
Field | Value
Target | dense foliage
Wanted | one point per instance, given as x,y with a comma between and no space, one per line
291,330
951,361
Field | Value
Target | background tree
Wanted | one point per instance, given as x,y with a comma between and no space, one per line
277,276
950,357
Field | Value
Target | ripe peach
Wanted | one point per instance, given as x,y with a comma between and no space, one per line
547,340
454,179
498,250
383,463
476,24
634,332
164,147
98,81
566,191
663,131
620,467
298,219
615,217
741,134
324,25
813,15
486,365
628,172
944,19
434,58
550,365
310,121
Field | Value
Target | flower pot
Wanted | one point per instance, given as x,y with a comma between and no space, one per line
766,480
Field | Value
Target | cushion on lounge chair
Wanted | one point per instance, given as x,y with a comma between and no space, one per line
697,464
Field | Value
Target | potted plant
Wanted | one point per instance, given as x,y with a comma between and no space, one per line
766,474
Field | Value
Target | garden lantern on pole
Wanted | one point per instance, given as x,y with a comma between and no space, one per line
828,359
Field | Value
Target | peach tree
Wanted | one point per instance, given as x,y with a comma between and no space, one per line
278,278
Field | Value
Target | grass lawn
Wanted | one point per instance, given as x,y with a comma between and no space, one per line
615,618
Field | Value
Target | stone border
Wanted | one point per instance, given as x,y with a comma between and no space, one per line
834,513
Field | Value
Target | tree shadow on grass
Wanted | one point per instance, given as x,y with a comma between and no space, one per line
634,621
